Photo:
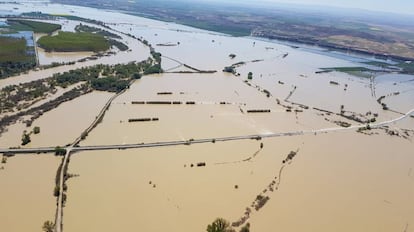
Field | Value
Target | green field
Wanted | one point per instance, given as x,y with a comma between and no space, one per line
354,71
350,69
406,67
13,50
14,57
74,42
37,27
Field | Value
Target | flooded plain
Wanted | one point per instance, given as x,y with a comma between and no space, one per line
26,192
337,181
60,126
335,185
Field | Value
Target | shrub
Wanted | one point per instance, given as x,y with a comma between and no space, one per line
36,130
60,151
25,138
219,225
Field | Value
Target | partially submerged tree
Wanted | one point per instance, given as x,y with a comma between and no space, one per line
245,228
229,69
48,226
250,75
25,138
36,130
220,225
59,151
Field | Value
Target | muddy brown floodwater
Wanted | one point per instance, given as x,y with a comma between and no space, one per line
26,192
338,185
60,126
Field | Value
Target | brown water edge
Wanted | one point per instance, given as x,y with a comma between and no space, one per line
330,185
26,192
46,58
61,125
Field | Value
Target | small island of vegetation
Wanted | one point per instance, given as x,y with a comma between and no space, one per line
74,42
111,37
37,27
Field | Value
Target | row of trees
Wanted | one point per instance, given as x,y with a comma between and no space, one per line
113,78
110,84
85,28
10,68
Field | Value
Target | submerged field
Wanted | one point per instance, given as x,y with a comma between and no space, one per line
330,164
27,192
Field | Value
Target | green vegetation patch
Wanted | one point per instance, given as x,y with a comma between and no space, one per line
354,71
37,27
408,67
378,64
13,50
85,28
14,56
74,42
231,29
121,46
350,69
19,99
110,84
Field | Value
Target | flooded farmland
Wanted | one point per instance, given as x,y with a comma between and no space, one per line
315,174
26,192
66,126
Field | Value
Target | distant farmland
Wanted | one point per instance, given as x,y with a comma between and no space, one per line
13,50
15,56
37,27
74,42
